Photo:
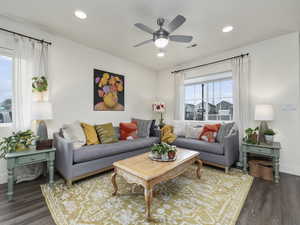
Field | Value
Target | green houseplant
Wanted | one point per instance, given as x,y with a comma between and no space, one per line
18,141
269,136
163,151
251,135
39,84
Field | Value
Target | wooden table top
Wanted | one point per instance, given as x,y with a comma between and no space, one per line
142,166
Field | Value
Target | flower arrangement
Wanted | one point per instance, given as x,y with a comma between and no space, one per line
160,108
19,141
163,151
251,135
39,84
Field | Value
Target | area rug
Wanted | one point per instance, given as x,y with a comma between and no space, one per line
215,199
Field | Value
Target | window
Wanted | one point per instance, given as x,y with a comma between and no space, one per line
6,88
209,97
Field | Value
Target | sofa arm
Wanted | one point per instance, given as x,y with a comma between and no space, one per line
231,148
63,155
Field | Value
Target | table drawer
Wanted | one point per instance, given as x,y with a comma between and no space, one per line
264,151
31,159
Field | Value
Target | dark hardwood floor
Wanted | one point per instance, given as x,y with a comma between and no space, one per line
266,204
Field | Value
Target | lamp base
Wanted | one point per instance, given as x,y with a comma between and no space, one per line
263,126
42,131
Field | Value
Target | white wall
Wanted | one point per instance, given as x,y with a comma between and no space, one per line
274,80
71,79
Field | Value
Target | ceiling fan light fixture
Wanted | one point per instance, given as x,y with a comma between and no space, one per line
80,14
161,42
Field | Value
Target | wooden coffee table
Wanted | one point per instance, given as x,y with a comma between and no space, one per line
145,172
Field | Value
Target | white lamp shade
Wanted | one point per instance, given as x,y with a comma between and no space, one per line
41,111
264,113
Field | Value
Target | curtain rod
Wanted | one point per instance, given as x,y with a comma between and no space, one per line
26,36
210,63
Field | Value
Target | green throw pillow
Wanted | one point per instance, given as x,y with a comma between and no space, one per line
106,133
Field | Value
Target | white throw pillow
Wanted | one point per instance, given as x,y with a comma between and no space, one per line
193,132
74,132
179,128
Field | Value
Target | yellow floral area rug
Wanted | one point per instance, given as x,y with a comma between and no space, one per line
215,199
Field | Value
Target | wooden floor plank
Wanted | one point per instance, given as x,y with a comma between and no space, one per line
266,204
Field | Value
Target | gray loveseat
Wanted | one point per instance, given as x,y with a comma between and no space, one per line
74,164
222,155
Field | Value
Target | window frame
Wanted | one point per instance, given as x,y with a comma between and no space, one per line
9,53
206,99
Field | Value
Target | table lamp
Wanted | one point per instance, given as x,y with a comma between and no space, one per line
42,111
263,113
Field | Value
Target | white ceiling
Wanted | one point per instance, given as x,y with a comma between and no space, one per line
110,24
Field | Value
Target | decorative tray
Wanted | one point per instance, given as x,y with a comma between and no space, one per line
159,159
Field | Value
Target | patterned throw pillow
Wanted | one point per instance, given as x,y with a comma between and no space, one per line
224,131
90,134
209,132
143,127
193,132
128,131
106,133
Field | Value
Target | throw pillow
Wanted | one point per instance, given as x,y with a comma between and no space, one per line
209,132
74,132
179,128
128,131
224,131
90,134
106,133
152,129
193,132
143,127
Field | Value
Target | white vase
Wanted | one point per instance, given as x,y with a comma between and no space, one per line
269,139
165,157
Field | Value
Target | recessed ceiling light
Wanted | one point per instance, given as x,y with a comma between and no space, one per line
160,54
80,14
227,29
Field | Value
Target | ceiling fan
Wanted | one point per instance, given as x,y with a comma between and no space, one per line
162,36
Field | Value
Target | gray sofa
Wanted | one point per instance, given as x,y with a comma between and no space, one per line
74,164
222,155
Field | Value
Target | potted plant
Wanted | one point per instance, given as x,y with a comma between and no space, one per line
39,84
155,150
172,152
20,141
251,135
269,136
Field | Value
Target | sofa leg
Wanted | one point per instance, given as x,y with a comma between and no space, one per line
227,169
69,182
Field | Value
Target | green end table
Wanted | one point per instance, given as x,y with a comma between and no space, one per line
270,150
22,158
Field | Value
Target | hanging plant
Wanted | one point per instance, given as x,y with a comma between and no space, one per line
39,84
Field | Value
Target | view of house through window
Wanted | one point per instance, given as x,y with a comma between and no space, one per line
6,71
209,97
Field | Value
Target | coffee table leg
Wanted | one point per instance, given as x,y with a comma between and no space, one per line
148,198
113,180
200,165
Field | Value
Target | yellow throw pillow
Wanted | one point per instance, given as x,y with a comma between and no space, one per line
90,133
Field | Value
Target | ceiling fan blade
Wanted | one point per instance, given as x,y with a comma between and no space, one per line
144,28
177,22
144,42
181,38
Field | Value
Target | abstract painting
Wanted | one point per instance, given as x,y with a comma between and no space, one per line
108,91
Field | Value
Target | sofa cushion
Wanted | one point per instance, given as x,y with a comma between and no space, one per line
106,133
92,152
90,134
192,144
128,131
74,132
143,127
224,131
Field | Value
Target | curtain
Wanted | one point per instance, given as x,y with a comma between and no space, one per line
179,96
30,59
240,76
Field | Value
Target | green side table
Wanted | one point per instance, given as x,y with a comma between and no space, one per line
22,158
269,150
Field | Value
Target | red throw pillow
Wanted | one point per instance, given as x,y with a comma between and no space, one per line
209,132
128,131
